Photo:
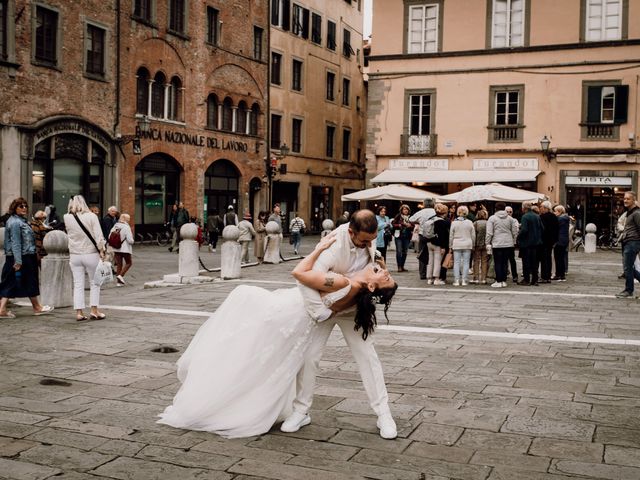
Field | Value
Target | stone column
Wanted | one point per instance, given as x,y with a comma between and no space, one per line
230,254
56,280
327,226
590,238
188,263
274,238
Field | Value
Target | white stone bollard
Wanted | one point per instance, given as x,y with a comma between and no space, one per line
274,238
230,253
590,238
1,248
56,280
327,226
188,263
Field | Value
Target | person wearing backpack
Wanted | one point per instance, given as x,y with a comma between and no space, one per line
421,217
121,240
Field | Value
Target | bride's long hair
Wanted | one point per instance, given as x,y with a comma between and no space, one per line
366,301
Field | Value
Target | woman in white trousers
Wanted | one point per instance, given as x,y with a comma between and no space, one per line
85,251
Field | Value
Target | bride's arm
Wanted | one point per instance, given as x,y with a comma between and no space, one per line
320,281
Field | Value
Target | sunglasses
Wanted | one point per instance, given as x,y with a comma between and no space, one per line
23,205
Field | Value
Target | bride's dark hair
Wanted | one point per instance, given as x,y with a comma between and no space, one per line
366,307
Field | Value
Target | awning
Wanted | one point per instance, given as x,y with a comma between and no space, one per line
410,175
390,192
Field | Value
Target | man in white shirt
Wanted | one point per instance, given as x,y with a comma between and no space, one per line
351,252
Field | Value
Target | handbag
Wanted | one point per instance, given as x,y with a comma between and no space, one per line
103,273
448,261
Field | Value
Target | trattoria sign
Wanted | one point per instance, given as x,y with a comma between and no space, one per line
182,138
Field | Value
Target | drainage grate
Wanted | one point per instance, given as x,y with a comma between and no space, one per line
164,350
54,381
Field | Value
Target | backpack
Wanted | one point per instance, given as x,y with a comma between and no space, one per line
115,240
428,228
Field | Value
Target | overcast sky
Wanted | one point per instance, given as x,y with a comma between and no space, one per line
367,19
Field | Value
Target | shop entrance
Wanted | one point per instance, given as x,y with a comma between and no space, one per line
157,189
221,187
321,206
598,205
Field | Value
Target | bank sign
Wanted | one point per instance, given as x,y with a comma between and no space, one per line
176,136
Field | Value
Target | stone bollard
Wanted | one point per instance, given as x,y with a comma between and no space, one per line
230,253
1,248
590,238
327,226
188,263
56,280
272,248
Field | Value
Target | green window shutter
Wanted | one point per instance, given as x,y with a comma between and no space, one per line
286,15
594,95
622,102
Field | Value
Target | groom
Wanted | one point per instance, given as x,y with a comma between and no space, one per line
351,252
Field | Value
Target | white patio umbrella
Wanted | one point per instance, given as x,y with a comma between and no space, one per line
494,192
390,192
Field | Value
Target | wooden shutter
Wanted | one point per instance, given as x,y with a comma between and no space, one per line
594,96
622,102
286,15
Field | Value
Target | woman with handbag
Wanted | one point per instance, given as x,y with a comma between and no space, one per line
86,249
20,271
403,229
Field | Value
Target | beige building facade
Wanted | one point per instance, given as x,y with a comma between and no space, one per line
317,106
540,95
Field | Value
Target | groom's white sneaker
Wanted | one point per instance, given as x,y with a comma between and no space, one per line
296,421
387,426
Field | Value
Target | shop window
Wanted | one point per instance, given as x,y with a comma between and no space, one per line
46,37
142,91
506,113
605,108
213,25
95,50
212,111
156,190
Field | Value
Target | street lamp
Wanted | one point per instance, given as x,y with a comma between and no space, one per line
544,145
143,125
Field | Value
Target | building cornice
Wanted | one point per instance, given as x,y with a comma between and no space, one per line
502,51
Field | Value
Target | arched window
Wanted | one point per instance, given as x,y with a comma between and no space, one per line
142,91
175,99
157,95
227,115
212,111
253,119
241,118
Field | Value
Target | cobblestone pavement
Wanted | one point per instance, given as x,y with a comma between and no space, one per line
536,383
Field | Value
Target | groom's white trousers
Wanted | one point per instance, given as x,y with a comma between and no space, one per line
362,350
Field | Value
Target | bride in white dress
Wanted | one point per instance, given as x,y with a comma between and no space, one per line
238,373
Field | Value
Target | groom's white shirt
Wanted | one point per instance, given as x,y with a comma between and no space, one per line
341,257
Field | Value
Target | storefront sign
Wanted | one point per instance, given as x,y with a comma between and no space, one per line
183,138
589,181
505,164
72,126
422,163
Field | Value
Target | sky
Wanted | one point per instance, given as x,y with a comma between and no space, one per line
367,18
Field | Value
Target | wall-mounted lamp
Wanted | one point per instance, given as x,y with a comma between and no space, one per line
545,143
143,125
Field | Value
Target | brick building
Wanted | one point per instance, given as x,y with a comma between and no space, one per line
138,103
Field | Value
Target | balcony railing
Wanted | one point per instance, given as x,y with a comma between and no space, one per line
418,144
505,133
604,132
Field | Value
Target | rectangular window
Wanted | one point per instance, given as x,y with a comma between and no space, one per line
296,75
331,81
508,23
420,114
331,35
258,34
46,35
605,108
607,104
331,138
316,28
177,16
603,20
95,50
506,108
423,29
347,51
300,21
346,144
346,86
280,13
4,27
276,67
276,13
276,124
296,135
142,10
212,25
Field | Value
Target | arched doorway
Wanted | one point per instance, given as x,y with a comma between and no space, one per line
221,182
157,189
66,165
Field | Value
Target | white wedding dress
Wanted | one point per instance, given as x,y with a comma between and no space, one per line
238,373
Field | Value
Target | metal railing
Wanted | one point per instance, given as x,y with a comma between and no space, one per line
418,144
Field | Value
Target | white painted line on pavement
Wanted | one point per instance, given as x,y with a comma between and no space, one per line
426,330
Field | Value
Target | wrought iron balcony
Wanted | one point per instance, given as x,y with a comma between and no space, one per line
418,144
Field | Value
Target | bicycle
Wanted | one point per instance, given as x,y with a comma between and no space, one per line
577,242
608,241
164,237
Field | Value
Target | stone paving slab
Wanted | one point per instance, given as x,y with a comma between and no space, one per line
467,407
